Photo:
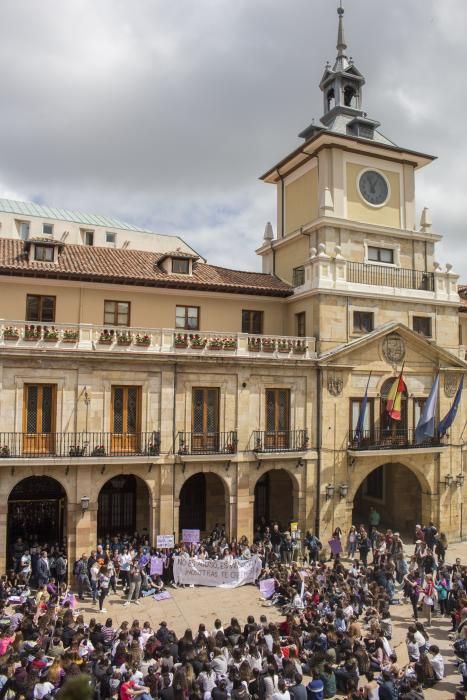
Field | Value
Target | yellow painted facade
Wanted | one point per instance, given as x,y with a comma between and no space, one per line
301,201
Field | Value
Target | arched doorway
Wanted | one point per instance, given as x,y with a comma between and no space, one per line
37,512
395,492
203,503
123,507
276,499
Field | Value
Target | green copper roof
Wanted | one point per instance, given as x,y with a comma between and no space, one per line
30,209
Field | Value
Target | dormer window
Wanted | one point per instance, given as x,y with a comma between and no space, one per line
48,229
181,266
110,238
44,253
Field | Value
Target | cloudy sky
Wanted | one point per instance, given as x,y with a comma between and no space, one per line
165,112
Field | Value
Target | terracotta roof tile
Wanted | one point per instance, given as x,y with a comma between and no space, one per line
123,266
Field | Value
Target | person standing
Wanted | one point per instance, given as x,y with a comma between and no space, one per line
43,569
82,578
374,520
104,583
428,598
135,585
363,546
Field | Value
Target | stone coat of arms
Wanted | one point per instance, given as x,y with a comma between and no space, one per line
393,348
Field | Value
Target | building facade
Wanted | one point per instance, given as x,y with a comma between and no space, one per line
144,389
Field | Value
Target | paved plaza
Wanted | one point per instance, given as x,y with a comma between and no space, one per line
188,607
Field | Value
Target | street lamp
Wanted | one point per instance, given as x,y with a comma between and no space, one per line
448,479
329,491
343,490
84,503
460,480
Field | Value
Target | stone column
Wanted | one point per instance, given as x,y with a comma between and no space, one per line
166,500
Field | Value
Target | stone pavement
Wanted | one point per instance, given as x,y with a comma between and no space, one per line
189,606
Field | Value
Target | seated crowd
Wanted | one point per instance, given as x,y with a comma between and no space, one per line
335,636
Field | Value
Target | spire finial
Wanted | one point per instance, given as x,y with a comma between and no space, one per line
341,61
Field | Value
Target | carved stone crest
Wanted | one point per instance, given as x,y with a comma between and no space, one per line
335,384
393,348
451,382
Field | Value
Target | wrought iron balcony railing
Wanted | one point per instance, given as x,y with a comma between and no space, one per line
381,276
390,440
280,440
75,445
206,443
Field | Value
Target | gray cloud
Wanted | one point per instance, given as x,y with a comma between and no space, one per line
164,113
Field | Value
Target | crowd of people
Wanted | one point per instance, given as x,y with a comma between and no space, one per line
335,637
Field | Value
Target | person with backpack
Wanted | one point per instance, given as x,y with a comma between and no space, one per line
313,546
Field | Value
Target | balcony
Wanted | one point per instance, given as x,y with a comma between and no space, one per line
395,440
280,441
76,445
381,276
206,443
95,338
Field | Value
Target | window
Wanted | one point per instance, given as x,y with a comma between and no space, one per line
24,230
43,253
187,318
89,238
422,325
355,407
363,321
125,409
298,276
40,308
181,266
205,420
277,419
252,321
117,313
48,229
373,486
382,255
39,413
300,324
110,238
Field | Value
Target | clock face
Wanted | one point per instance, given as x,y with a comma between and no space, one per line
373,188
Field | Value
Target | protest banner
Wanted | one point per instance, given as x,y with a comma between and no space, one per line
165,542
190,536
157,566
267,587
212,572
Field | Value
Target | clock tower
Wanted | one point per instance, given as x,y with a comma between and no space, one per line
347,236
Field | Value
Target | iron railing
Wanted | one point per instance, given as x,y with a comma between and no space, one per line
75,445
381,276
389,440
206,443
298,276
280,440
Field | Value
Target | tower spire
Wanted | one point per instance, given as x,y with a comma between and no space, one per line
342,61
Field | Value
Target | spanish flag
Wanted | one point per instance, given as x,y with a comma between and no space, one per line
394,402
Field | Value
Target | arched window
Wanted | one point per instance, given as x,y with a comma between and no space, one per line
331,98
350,96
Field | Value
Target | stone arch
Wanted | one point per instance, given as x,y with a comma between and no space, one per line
38,473
204,500
400,493
363,471
124,505
258,473
276,497
36,512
